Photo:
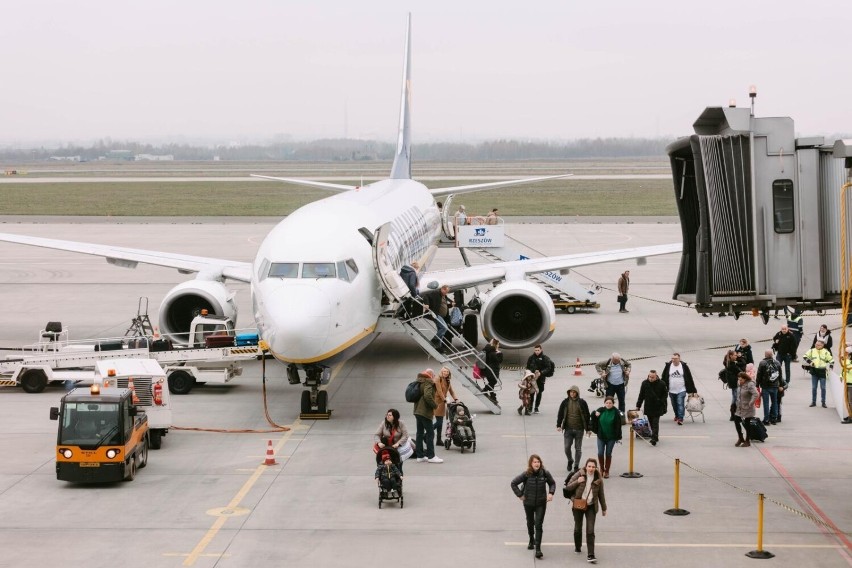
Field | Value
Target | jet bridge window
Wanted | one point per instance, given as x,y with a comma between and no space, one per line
318,270
782,206
284,270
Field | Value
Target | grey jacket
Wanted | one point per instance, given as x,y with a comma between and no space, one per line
746,395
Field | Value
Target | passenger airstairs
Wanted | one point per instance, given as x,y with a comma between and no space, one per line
459,356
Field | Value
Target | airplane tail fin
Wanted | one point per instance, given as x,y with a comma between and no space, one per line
402,161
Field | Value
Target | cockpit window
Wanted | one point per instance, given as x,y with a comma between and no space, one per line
284,270
353,268
318,270
342,272
263,271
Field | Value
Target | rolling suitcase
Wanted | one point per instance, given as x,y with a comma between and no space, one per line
116,345
161,345
756,430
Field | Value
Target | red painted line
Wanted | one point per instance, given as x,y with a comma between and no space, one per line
837,533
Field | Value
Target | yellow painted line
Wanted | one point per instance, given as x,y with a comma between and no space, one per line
205,541
210,555
684,545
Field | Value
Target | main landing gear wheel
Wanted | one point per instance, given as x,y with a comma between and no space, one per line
322,402
306,402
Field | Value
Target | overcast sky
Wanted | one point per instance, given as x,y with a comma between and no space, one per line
252,70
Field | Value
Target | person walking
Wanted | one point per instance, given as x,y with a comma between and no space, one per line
437,304
606,423
573,421
796,323
535,488
443,387
819,360
623,287
586,486
424,413
678,379
769,381
541,365
653,393
746,395
784,345
491,372
615,372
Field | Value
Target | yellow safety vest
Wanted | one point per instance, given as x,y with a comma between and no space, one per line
820,358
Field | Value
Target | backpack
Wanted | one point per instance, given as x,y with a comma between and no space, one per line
455,317
773,372
413,392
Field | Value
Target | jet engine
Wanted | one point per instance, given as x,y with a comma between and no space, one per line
519,314
186,300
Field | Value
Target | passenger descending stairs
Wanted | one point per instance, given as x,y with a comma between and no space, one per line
460,358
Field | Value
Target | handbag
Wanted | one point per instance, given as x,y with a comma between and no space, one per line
477,372
579,504
406,449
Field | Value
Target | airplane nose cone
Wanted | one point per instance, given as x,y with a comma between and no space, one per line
298,318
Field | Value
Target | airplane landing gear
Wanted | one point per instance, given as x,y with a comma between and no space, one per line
293,374
314,404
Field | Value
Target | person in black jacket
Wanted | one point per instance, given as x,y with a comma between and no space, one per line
541,365
437,303
678,379
743,349
491,372
784,344
535,488
573,421
653,393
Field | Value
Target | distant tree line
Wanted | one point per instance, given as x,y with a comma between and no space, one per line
361,150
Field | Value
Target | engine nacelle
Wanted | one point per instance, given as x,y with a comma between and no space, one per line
519,314
186,300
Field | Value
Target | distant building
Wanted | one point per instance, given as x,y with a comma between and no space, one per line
154,158
119,155
66,158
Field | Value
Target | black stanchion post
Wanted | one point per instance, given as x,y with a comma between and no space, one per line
676,511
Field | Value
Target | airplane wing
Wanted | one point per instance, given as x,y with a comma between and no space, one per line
335,187
444,191
518,269
130,257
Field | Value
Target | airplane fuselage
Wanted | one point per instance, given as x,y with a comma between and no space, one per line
315,292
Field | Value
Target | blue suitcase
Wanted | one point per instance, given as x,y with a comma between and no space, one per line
244,339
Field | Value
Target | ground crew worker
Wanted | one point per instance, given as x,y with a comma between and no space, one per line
819,358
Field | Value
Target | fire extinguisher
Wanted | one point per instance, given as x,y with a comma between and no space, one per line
158,393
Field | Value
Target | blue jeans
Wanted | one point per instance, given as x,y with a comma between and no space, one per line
770,395
617,390
785,359
425,434
734,392
438,426
605,447
678,400
441,324
815,380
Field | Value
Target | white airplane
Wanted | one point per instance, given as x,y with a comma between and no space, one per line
318,278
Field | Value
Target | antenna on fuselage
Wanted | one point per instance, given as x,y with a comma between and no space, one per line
401,168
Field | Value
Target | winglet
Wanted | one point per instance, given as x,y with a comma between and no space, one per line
402,161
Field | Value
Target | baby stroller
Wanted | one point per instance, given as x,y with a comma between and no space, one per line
598,387
452,435
390,493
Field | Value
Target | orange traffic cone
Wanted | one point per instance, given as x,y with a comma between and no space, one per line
270,455
578,371
132,390
156,332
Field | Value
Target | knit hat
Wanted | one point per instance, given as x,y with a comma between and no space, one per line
385,456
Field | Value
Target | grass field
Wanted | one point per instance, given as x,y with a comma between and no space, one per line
570,197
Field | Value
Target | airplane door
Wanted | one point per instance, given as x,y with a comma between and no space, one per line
448,217
392,283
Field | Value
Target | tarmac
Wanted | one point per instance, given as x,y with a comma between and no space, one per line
205,499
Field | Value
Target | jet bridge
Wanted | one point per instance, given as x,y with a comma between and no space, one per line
760,214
